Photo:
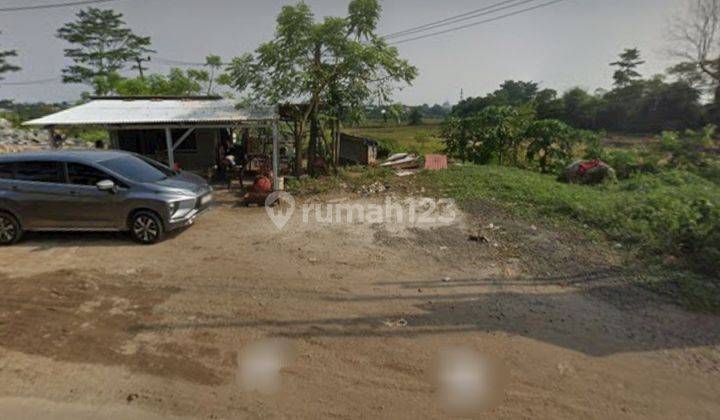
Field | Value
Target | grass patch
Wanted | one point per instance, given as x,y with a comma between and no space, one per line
422,139
673,217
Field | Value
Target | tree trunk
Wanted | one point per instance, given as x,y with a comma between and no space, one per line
336,138
312,148
298,131
715,114
314,103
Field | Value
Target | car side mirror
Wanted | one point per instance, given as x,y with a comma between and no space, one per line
107,186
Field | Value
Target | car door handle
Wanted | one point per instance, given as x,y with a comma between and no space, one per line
73,192
15,188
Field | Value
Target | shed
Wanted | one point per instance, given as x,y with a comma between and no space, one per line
185,130
357,150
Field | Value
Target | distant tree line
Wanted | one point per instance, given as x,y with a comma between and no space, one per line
687,96
633,105
324,62
398,113
19,112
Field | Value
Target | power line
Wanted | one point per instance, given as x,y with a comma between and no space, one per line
490,9
31,82
53,5
484,11
458,18
421,28
493,19
171,61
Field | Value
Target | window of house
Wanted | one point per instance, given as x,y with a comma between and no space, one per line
50,172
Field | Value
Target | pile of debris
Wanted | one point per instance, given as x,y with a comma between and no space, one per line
18,140
406,164
372,189
400,161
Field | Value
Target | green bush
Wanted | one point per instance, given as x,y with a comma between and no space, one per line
695,151
551,142
628,163
625,162
594,149
674,213
496,133
710,170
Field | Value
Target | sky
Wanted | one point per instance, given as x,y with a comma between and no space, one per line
568,44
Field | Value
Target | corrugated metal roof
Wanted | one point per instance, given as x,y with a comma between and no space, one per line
154,112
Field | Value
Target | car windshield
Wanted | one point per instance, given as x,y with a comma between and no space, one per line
137,169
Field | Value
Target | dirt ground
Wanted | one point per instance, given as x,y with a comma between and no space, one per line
94,326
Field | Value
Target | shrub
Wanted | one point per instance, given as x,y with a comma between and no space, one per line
625,162
495,133
551,143
594,149
415,117
690,148
422,138
695,151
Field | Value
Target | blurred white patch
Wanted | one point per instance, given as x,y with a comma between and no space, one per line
467,383
260,363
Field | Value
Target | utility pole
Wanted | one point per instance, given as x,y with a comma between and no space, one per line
462,94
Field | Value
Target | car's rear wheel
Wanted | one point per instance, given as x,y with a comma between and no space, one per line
10,230
146,228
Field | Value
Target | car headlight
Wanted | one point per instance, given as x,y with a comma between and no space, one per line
181,208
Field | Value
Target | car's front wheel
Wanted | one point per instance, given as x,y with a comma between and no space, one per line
10,230
146,228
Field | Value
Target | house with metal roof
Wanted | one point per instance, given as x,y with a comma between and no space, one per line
190,132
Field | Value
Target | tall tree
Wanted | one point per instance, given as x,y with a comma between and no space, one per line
5,65
102,45
626,72
214,63
696,41
339,62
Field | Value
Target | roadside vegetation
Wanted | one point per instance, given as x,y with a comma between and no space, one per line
671,219
661,207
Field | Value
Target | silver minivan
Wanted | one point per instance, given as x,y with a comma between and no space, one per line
96,191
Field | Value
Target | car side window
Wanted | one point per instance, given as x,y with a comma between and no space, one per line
80,174
50,172
6,170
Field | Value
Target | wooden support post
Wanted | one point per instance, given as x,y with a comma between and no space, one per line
170,149
298,132
337,142
276,156
313,146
